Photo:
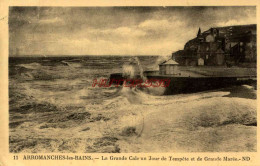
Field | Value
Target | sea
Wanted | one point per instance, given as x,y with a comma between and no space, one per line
53,107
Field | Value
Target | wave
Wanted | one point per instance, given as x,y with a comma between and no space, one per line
27,76
31,65
151,96
73,63
125,96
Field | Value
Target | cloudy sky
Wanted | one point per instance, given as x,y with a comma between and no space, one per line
114,30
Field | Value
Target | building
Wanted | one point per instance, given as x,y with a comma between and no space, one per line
210,53
232,45
168,67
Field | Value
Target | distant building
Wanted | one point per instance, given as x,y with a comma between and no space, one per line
220,46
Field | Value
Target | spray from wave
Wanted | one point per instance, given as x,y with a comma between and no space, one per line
136,94
132,70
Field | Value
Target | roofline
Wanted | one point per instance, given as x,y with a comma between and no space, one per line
221,27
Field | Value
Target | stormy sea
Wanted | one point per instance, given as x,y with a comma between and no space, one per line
54,108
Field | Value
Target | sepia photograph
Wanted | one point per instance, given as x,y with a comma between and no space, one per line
132,79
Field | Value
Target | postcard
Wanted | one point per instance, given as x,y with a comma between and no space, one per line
133,83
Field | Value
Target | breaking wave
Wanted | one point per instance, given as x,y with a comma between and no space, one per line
31,65
73,62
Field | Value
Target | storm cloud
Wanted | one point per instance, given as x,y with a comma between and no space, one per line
58,31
